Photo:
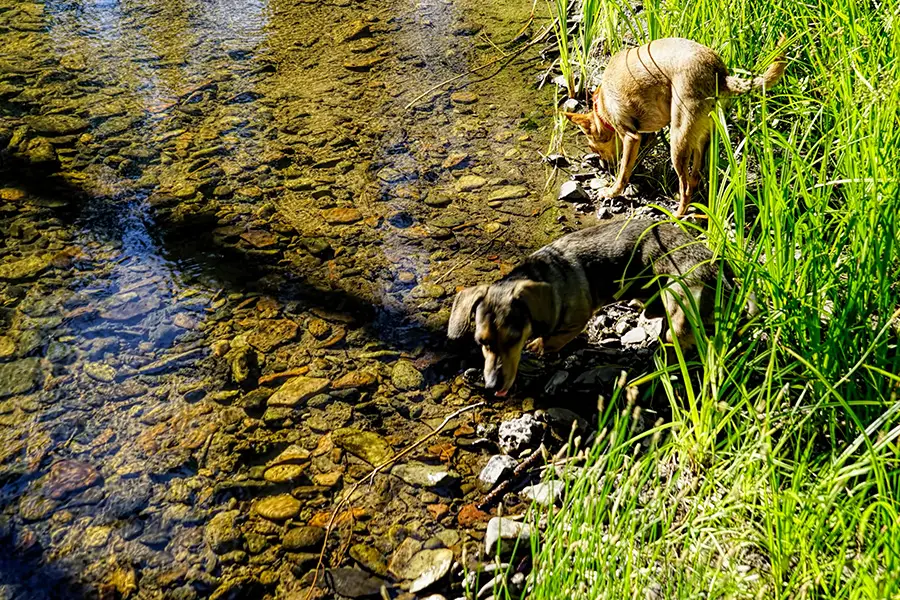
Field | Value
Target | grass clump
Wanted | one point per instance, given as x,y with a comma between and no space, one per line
778,474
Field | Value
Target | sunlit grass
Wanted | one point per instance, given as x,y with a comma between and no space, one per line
777,475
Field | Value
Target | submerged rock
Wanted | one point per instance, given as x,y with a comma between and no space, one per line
221,533
278,508
297,390
25,268
423,475
369,558
69,476
506,534
354,583
366,445
20,376
427,567
303,538
406,377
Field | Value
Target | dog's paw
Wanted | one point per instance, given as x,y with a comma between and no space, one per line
536,346
610,192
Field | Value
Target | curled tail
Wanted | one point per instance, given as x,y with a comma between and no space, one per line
737,85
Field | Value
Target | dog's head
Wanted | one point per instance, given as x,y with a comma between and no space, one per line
504,316
602,138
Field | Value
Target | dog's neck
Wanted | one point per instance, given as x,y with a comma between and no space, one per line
599,114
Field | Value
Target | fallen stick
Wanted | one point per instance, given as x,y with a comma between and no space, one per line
370,478
517,473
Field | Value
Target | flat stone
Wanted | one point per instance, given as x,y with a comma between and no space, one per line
297,390
406,377
364,64
96,536
402,557
508,192
494,470
67,477
99,371
357,30
131,309
25,268
278,508
544,493
7,346
355,379
518,434
57,125
285,473
20,376
259,239
470,183
427,567
271,333
423,475
354,583
36,507
293,454
455,160
463,98
366,445
369,558
563,418
222,533
571,191
303,538
635,336
505,534
341,216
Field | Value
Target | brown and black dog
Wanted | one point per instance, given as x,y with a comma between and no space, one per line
552,295
668,81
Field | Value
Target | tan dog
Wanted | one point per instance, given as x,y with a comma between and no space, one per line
671,80
552,295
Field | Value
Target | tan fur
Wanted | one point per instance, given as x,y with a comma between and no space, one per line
671,81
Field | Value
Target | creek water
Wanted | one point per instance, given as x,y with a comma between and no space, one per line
228,253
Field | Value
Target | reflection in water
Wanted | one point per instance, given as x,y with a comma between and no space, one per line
210,201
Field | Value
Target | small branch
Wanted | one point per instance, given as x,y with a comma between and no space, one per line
517,473
370,478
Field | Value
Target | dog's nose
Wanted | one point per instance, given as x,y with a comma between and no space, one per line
491,382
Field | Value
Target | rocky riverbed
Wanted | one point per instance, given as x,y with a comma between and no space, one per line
228,254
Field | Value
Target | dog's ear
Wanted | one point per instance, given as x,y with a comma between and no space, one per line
461,314
583,120
604,134
538,297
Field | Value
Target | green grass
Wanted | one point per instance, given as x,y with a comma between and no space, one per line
778,474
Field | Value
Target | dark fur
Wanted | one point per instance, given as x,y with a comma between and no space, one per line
555,291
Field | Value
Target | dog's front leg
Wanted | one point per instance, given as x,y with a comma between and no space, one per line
630,145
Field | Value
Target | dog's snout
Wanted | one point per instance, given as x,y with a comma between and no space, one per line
492,380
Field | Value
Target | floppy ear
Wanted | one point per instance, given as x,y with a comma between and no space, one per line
461,314
538,297
581,119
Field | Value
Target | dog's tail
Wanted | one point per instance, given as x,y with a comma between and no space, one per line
736,85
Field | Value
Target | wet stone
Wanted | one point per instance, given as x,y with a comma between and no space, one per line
427,567
284,473
278,508
505,534
508,192
303,538
463,98
369,558
424,475
518,434
494,470
470,183
635,336
271,333
571,191
355,379
297,390
366,445
354,583
25,268
36,507
57,125
341,216
291,455
67,477
20,376
259,239
99,371
406,377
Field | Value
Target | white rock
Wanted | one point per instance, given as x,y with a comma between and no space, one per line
428,566
517,434
507,533
545,493
635,336
495,468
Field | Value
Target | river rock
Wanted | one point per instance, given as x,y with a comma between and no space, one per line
278,508
563,418
355,379
67,477
20,376
507,533
366,445
516,435
369,558
271,333
470,183
635,336
222,533
25,268
7,346
99,371
572,191
508,192
297,390
427,567
354,583
545,493
423,475
293,454
406,377
57,125
494,470
341,216
303,538
285,473
463,98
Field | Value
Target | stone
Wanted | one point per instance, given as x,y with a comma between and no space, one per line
470,183
506,534
354,583
366,445
131,308
20,376
463,98
635,336
293,454
341,216
36,507
99,371
494,470
96,536
355,379
238,588
508,192
357,30
369,558
69,476
469,515
25,268
455,160
572,191
545,493
427,567
562,418
278,508
285,473
365,64
517,434
424,475
222,533
297,390
57,125
271,333
406,377
403,555
257,238
303,538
